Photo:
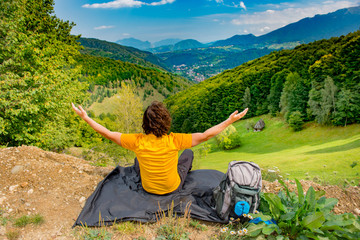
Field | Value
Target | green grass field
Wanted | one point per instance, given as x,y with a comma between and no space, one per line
319,152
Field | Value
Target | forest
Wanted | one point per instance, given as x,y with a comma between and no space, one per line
316,81
102,71
115,51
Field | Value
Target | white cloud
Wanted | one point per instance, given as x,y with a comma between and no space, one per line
162,2
126,34
276,16
115,4
265,29
272,19
242,5
125,4
103,27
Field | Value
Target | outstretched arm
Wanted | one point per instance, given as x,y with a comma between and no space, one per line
113,136
198,138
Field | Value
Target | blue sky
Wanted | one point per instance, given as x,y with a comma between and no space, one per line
203,20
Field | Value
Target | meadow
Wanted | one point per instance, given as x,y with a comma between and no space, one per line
325,154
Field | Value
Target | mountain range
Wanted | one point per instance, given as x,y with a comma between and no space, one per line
198,61
305,30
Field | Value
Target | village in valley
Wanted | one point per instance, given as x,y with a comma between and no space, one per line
192,72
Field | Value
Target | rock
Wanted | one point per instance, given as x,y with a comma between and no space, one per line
357,211
82,199
17,169
30,191
2,199
24,184
13,188
259,125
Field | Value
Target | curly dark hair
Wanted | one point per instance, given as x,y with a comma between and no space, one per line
157,119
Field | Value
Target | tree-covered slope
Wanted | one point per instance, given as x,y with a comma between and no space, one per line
285,76
115,51
102,71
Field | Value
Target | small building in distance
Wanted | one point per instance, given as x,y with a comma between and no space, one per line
259,126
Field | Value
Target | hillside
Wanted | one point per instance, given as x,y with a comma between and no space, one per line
323,154
115,51
102,71
303,69
56,186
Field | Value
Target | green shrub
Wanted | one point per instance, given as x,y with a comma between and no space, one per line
304,216
296,121
231,142
228,139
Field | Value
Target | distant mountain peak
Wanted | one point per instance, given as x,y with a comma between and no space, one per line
236,40
136,43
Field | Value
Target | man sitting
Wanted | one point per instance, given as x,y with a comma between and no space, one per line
161,170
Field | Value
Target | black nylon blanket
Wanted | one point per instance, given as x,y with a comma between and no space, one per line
120,197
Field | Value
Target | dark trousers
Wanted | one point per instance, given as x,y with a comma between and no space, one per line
184,165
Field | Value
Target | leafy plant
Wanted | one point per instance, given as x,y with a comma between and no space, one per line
237,228
306,216
96,234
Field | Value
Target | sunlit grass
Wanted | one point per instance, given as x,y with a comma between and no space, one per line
323,152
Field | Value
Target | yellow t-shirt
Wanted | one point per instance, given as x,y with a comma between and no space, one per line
158,159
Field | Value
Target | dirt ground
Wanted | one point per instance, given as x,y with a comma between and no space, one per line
33,181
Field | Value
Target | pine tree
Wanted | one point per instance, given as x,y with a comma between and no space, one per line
294,96
247,98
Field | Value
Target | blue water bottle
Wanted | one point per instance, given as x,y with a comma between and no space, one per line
241,208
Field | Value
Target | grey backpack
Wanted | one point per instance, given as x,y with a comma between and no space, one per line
241,184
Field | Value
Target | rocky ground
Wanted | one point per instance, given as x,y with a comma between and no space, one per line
33,181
